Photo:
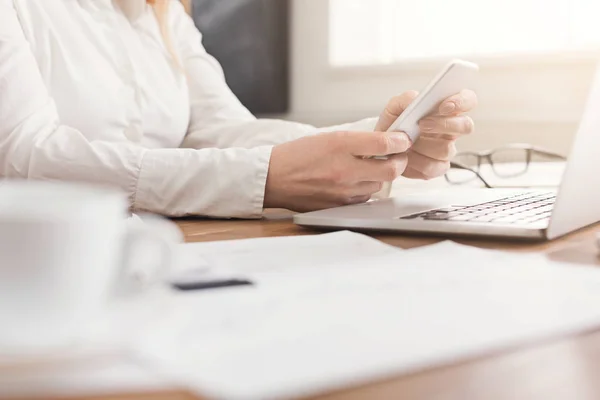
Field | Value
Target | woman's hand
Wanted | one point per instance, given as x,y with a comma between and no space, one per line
430,155
329,170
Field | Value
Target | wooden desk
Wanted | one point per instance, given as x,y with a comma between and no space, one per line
560,369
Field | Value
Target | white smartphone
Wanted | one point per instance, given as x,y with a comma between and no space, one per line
455,77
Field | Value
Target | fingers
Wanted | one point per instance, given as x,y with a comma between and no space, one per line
367,144
429,156
436,149
353,194
367,189
358,200
381,170
463,102
395,107
360,190
423,167
447,126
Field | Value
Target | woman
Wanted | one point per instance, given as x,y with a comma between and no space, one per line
122,93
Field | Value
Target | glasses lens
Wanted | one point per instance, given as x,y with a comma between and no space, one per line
468,160
510,162
458,175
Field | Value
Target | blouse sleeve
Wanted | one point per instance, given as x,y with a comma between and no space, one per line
35,144
218,119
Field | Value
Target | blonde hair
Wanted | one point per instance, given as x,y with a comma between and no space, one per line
161,9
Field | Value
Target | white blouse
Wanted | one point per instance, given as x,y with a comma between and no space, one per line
89,92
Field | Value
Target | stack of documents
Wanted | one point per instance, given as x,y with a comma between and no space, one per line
332,311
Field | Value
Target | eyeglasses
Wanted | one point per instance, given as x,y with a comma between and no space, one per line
506,162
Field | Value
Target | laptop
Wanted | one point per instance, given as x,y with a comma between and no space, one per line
504,213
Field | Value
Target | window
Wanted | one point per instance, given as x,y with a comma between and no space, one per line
378,32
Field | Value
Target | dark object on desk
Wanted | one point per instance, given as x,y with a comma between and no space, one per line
207,285
250,39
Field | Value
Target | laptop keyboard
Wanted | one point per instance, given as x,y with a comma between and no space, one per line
522,209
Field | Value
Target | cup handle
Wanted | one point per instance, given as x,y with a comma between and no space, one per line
137,274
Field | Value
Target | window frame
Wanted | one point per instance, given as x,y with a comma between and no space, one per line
526,94
501,60
488,62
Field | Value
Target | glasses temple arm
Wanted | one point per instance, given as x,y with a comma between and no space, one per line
456,165
548,153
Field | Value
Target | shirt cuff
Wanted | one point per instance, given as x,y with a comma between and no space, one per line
262,171
227,183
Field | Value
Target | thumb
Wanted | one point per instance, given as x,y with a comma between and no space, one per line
394,109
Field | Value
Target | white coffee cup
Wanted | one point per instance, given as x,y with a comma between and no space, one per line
63,249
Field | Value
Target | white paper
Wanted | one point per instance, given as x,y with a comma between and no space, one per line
547,174
254,257
541,175
298,334
94,367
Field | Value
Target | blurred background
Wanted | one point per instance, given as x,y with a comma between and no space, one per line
325,62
